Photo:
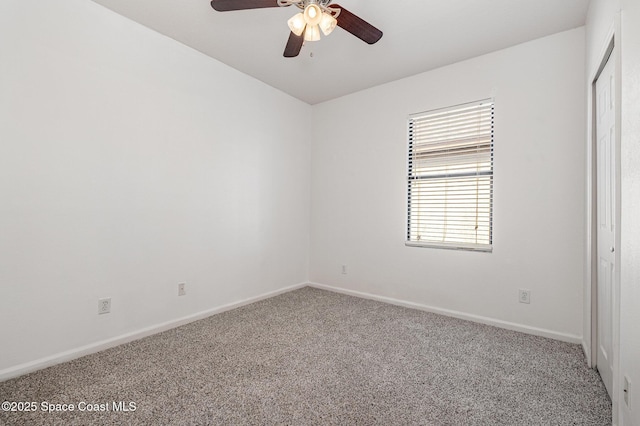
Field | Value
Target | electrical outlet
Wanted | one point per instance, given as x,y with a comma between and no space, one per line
344,269
524,296
626,390
104,306
182,291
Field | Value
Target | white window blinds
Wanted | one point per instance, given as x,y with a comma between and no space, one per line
450,177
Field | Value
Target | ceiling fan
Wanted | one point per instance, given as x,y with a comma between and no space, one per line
315,16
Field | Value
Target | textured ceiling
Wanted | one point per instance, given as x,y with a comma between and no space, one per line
419,35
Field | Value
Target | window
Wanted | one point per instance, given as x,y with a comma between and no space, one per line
450,177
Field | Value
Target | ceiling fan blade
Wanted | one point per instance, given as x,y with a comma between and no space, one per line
293,45
227,5
357,26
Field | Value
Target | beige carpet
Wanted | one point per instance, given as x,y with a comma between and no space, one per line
312,357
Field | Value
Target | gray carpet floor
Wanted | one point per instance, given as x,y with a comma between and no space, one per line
313,357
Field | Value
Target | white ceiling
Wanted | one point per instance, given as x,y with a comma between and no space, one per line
419,35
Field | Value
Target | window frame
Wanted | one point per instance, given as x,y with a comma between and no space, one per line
477,247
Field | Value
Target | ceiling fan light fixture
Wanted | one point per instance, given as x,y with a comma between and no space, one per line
297,24
327,23
312,14
312,33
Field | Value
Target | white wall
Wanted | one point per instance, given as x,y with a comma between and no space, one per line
359,190
630,220
601,22
129,163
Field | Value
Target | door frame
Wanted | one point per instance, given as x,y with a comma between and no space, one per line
610,51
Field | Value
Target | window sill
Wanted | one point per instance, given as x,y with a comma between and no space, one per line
465,247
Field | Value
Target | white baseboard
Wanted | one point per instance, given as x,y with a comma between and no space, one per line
71,354
587,353
570,338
